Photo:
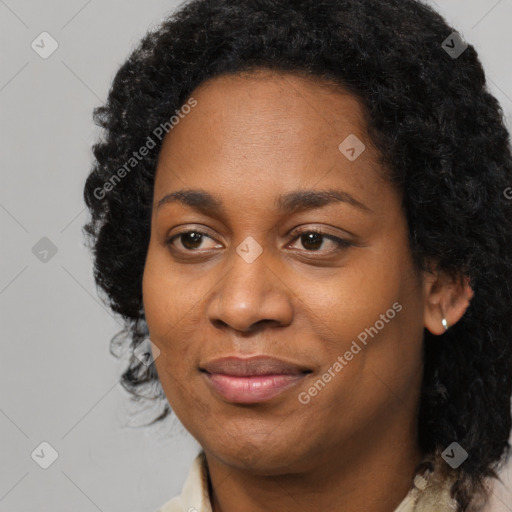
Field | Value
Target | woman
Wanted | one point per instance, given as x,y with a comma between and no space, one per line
303,207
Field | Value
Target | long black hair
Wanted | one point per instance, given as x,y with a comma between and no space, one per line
440,132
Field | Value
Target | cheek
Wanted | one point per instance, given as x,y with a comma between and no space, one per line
157,294
351,299
370,314
168,298
165,308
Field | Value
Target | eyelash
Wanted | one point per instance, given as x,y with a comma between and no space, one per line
341,244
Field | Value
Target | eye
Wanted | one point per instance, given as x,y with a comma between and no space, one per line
190,240
312,240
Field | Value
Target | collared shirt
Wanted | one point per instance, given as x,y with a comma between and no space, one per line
428,494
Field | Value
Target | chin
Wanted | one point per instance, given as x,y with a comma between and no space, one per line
262,458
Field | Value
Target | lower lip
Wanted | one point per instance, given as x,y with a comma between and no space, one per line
253,389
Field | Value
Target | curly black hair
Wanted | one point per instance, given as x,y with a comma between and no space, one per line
440,133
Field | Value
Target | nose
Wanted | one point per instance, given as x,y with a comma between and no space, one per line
250,295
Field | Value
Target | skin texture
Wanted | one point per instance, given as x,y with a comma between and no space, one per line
353,446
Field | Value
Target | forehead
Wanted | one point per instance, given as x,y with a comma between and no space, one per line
291,97
265,124
275,103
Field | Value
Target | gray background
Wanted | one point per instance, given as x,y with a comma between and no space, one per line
59,383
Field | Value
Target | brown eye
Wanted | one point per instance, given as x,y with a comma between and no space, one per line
190,240
312,240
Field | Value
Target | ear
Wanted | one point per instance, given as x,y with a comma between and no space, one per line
444,297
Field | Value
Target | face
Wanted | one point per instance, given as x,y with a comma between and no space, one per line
327,286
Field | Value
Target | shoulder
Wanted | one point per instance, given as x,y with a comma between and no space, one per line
173,505
431,489
194,495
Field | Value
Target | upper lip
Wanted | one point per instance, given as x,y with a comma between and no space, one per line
256,365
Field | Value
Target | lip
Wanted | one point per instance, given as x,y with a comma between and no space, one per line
253,366
252,380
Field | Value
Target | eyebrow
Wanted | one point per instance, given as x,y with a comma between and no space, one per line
290,202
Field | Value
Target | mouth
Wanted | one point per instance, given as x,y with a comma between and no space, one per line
252,380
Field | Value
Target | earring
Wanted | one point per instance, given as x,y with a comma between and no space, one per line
443,321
